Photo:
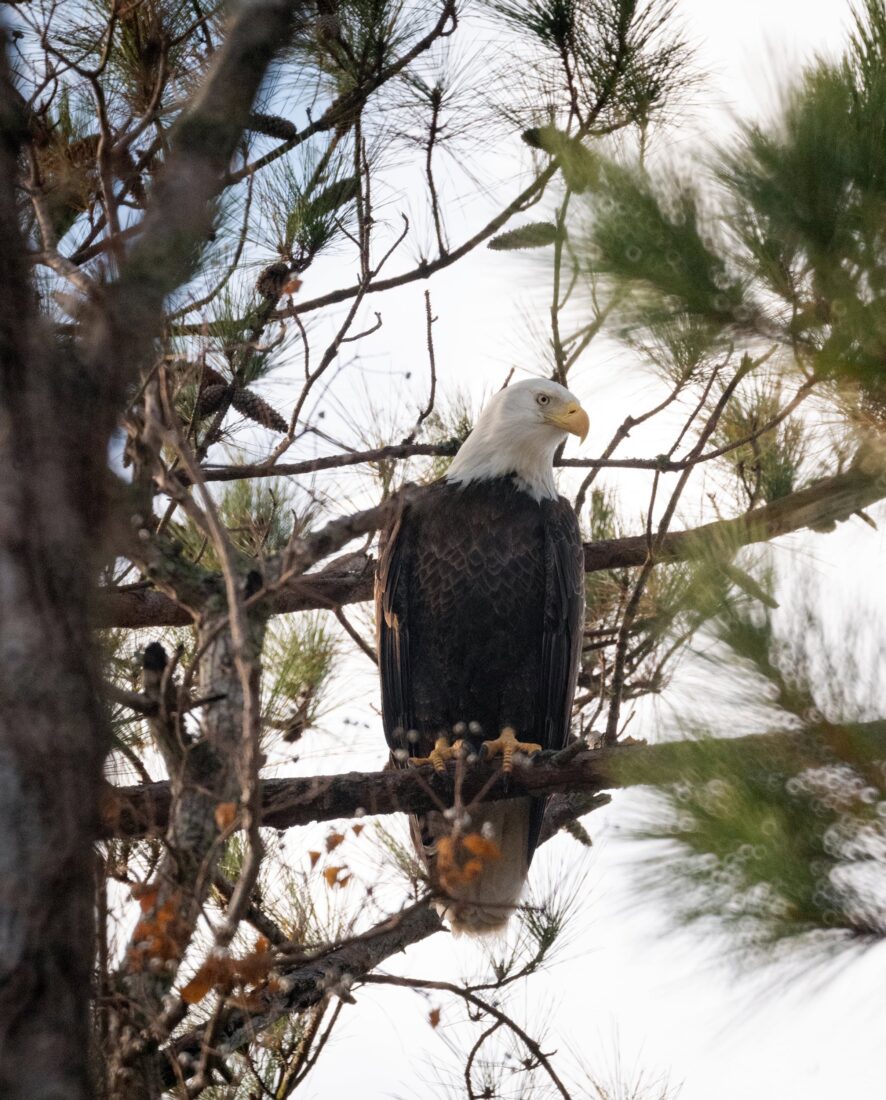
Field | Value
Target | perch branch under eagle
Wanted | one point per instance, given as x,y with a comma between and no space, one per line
480,603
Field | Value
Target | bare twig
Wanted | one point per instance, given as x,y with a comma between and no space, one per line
486,1007
429,408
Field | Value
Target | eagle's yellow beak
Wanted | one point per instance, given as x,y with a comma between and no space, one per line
572,418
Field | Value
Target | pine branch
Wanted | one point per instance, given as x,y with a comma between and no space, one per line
287,803
304,983
526,198
338,584
307,978
832,499
180,215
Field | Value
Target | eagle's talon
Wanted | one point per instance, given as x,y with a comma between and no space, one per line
439,755
505,745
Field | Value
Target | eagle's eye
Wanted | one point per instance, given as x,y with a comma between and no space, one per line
543,399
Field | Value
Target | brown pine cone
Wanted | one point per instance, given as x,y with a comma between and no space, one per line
272,281
257,409
211,398
272,126
209,377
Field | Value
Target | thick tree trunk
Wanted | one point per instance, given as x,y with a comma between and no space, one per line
51,728
57,410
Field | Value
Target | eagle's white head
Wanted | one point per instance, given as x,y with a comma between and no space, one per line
517,433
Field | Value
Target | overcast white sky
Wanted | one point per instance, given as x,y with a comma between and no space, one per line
625,991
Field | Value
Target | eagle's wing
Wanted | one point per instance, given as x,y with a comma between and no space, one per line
561,634
392,631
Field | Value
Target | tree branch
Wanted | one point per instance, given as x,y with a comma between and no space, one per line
180,216
142,810
306,977
827,501
305,983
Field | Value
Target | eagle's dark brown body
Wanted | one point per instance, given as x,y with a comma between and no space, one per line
480,607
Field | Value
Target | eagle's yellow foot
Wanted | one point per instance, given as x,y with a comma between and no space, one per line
505,745
440,754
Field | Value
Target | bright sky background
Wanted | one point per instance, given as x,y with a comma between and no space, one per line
663,1005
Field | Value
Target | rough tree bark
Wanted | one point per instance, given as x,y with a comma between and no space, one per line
58,407
52,731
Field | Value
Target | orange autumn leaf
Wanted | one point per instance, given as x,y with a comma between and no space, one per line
217,970
336,876
254,968
333,841
331,875
166,914
479,846
314,856
357,829
145,895
225,815
196,989
434,1017
461,860
472,869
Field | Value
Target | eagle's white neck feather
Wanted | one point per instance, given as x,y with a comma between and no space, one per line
506,441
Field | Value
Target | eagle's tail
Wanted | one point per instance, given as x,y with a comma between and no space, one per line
481,890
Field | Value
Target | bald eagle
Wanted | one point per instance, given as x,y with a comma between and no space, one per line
480,600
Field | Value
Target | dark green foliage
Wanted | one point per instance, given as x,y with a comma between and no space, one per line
144,30
299,654
65,148
775,854
767,468
353,40
786,843
306,205
551,22
809,198
680,348
332,197
259,517
618,59
451,423
792,243
657,242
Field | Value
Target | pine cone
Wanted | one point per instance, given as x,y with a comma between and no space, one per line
272,281
272,126
257,409
209,377
210,399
